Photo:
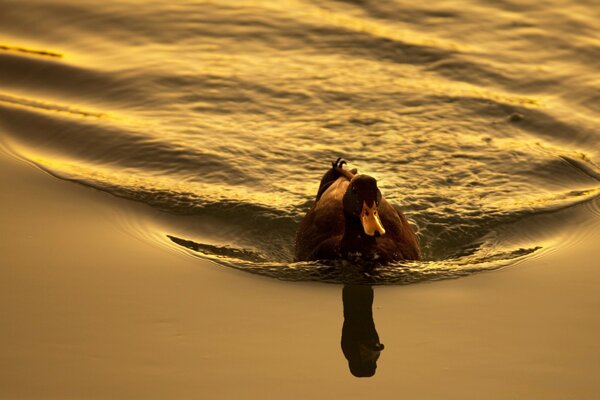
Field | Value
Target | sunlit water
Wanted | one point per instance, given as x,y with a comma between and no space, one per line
480,119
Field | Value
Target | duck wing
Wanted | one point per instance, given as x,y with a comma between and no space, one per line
400,237
322,228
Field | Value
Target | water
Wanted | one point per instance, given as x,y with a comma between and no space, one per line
480,120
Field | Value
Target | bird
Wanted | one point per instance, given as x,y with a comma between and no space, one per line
351,220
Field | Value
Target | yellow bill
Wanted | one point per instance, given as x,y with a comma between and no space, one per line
369,218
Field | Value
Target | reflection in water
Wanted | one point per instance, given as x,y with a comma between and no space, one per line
360,341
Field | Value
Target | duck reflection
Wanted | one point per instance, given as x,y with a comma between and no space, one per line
360,341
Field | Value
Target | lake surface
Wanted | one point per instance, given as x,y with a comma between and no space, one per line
480,119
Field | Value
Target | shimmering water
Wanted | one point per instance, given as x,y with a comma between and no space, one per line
478,118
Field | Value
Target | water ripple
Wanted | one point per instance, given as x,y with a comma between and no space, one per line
225,116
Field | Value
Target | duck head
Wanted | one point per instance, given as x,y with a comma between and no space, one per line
361,201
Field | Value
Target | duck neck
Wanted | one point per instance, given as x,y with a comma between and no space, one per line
355,240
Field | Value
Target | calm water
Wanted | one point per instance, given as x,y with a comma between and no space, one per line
480,119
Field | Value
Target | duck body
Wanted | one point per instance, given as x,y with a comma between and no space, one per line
351,220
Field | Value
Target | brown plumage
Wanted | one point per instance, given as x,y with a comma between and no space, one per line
351,220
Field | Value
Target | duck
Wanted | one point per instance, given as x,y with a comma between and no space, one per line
351,220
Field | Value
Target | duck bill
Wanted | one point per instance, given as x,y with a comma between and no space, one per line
369,217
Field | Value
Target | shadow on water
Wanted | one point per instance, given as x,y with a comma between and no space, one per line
360,341
507,245
346,272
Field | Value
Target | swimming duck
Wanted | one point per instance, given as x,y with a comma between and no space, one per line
351,220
